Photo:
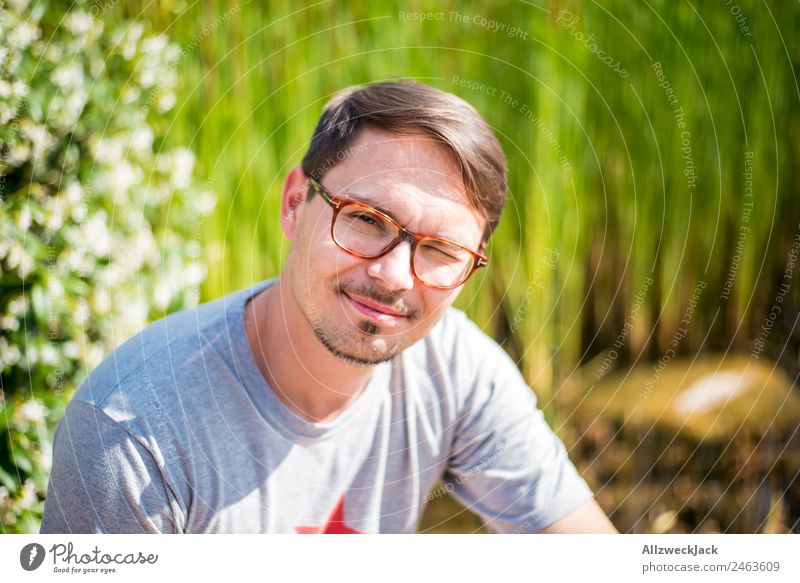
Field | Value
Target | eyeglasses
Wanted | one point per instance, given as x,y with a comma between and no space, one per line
365,232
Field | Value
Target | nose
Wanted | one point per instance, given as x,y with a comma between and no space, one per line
394,268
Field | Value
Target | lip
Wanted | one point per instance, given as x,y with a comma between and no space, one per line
375,311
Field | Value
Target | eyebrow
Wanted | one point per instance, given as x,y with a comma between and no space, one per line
364,200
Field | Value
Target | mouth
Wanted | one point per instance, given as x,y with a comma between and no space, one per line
377,312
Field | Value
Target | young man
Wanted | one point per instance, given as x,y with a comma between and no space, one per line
334,398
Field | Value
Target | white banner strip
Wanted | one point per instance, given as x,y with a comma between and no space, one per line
400,558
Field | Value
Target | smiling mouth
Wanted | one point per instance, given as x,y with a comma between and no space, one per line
375,312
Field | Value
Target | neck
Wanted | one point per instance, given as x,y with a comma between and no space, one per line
308,379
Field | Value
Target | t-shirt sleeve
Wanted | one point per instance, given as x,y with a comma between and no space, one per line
103,480
506,463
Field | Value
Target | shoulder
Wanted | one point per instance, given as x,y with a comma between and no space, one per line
143,376
458,357
465,346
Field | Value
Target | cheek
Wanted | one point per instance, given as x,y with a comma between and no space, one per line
435,304
315,253
324,262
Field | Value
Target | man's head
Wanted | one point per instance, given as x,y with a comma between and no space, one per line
403,107
430,162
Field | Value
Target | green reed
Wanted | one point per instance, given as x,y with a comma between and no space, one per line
596,169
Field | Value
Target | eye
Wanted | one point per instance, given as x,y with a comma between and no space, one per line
369,219
444,254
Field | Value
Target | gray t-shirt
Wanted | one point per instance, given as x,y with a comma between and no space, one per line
177,431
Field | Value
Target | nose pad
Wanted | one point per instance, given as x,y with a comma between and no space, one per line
394,268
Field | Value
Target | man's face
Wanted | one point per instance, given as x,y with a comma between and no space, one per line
365,311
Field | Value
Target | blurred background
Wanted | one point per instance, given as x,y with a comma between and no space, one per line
644,275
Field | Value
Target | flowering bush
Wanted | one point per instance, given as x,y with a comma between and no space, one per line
99,222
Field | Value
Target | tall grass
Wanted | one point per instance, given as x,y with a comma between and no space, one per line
596,166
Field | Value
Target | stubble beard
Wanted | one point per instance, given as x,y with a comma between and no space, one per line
340,344
357,343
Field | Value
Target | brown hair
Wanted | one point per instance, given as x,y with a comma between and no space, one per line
403,106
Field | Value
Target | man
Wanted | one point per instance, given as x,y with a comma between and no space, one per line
334,398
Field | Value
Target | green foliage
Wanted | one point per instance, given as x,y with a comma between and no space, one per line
597,171
611,226
97,219
601,199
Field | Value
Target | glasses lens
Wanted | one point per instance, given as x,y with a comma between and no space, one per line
442,264
362,231
366,233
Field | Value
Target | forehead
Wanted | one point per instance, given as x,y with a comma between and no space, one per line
412,178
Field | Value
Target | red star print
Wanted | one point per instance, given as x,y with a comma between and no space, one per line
334,525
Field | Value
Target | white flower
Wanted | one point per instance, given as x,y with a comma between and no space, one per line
171,54
97,66
14,255
81,313
79,213
193,274
55,289
53,221
71,350
40,138
206,203
19,5
9,323
135,31
193,249
54,53
65,112
130,94
145,242
74,260
23,35
20,89
46,456
108,152
97,236
134,316
68,77
19,154
120,179
141,139
147,76
162,295
26,266
101,301
166,101
9,353
94,356
130,39
24,219
79,22
182,166
74,192
13,61
111,276
55,208
28,496
6,113
19,305
154,44
49,355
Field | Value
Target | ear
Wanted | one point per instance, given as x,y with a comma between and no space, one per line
292,199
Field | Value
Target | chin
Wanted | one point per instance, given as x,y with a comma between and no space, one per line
358,349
